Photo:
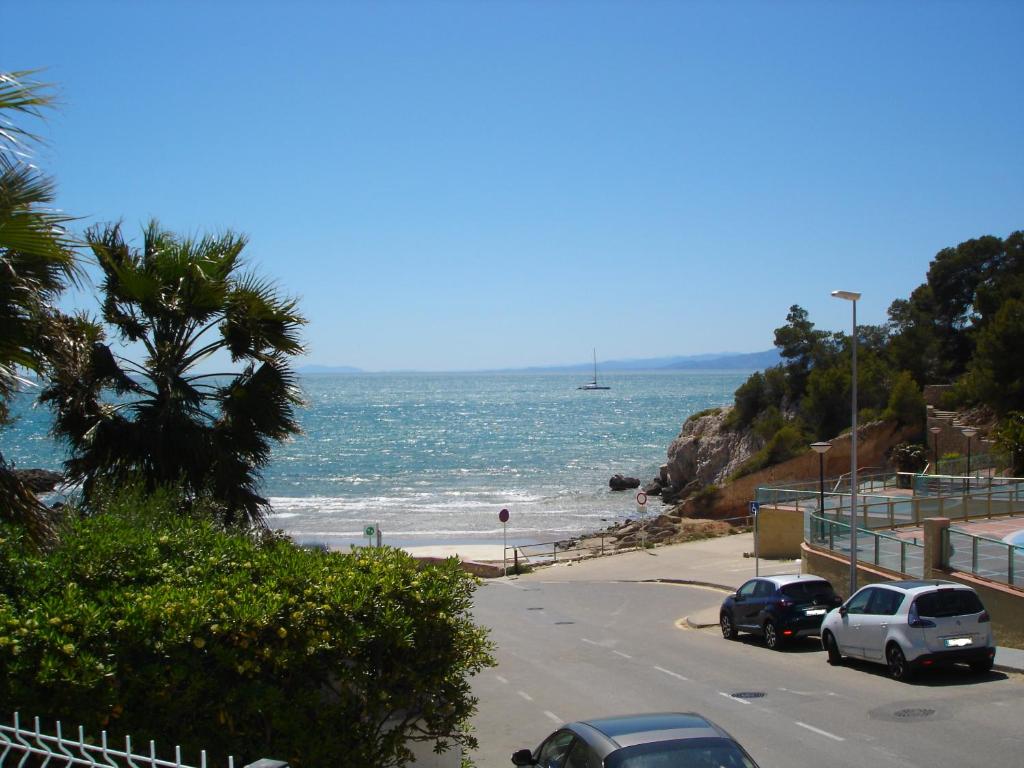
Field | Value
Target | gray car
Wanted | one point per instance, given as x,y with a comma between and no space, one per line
666,739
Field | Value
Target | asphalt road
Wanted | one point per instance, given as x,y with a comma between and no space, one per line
574,649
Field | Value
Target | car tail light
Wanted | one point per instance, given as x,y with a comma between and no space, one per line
787,632
916,621
984,618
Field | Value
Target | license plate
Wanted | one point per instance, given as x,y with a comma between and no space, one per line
958,642
815,612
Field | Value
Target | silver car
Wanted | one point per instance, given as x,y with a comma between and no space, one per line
911,625
677,739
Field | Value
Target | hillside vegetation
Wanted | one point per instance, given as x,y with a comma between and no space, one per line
963,326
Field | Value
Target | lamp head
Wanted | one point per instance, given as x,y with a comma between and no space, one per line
848,295
821,447
935,430
969,431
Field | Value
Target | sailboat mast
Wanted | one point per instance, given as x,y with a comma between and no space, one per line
595,365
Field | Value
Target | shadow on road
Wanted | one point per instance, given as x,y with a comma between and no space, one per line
936,677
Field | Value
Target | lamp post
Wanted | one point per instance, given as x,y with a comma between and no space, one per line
821,449
969,432
853,298
935,449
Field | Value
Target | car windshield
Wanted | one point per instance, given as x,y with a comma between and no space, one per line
807,591
685,753
944,603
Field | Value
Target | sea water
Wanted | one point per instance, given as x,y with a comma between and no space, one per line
433,458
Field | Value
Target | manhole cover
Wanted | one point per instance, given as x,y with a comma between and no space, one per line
565,622
748,695
913,712
535,609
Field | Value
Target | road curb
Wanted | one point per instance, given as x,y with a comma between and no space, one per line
691,622
690,583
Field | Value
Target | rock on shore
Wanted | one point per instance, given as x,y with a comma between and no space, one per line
620,483
706,453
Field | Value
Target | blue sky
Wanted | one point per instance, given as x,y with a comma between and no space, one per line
466,185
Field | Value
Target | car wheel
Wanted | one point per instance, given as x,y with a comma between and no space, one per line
981,667
728,628
772,638
834,656
899,668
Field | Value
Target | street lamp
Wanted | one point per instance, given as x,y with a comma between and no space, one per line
821,449
969,432
853,298
935,431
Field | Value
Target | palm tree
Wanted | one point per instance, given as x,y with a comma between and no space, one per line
37,262
183,304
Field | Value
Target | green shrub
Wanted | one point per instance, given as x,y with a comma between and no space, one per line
909,457
787,442
702,414
1009,436
147,622
868,415
768,422
748,400
906,403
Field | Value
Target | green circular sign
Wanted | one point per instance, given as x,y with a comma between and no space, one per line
369,530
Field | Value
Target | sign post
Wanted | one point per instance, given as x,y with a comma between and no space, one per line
503,517
754,509
369,532
641,510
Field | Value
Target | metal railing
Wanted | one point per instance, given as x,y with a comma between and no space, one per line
988,558
19,745
950,485
893,553
980,462
871,481
601,543
971,498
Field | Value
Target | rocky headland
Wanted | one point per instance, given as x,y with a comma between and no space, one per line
702,479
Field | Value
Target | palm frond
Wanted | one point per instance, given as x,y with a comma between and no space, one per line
19,93
258,322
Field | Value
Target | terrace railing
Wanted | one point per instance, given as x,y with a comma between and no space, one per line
960,498
988,558
980,463
894,553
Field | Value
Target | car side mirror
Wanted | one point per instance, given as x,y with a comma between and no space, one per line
738,597
842,610
522,757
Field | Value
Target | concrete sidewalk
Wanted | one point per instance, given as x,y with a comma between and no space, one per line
716,563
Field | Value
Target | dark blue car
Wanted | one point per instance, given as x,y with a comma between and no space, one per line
778,608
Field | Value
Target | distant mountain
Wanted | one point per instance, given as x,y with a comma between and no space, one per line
707,362
752,361
722,361
328,369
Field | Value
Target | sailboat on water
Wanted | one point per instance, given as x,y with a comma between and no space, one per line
593,384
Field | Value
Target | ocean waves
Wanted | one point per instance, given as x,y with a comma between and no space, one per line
435,457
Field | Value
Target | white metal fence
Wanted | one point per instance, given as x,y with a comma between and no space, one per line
31,746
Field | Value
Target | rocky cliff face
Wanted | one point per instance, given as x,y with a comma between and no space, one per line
706,453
